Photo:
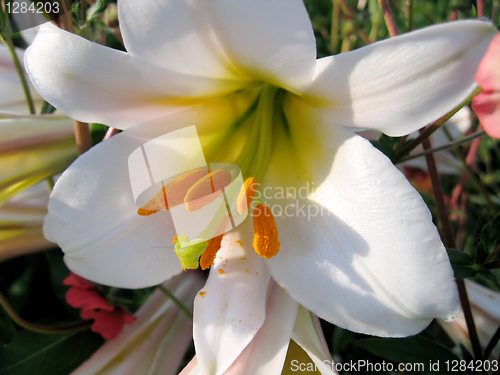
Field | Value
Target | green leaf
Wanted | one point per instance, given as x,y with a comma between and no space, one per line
32,353
341,339
384,148
415,349
99,7
462,264
490,276
459,257
490,239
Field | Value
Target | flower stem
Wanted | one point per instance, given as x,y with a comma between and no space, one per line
50,182
494,340
452,144
82,136
20,71
480,8
84,10
431,128
450,241
492,265
82,130
410,15
389,19
41,328
176,301
349,13
475,180
492,254
334,32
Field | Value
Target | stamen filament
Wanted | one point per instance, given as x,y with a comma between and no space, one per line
246,194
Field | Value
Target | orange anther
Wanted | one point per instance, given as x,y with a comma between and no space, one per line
208,256
265,238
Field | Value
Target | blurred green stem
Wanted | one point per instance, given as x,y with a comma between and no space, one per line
475,180
450,242
493,342
410,15
41,328
494,12
432,128
452,144
492,265
350,14
176,301
334,34
84,10
389,19
82,129
7,39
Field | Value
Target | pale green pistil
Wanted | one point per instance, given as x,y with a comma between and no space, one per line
254,157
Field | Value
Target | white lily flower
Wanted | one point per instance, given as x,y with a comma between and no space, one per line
156,342
245,73
485,306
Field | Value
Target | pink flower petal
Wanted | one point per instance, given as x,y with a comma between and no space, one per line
74,280
87,299
110,323
488,72
487,108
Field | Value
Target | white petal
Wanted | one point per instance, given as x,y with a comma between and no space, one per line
173,34
145,346
267,351
93,83
272,41
306,335
231,307
401,84
269,41
364,253
93,218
